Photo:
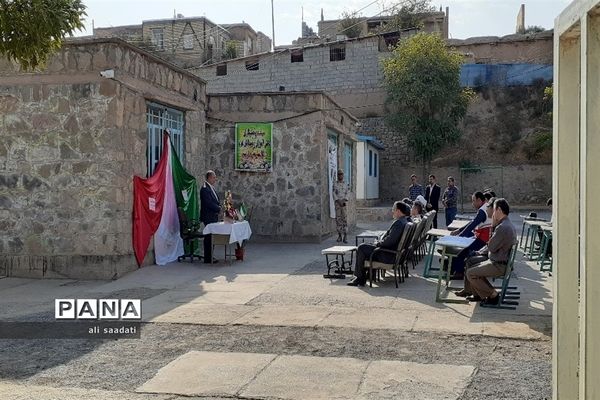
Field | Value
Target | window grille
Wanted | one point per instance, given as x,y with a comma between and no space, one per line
158,119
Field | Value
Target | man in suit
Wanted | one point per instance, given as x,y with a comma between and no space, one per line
432,195
210,207
390,240
498,255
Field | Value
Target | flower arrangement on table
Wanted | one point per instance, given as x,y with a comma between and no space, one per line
230,216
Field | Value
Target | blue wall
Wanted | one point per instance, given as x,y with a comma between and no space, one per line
473,75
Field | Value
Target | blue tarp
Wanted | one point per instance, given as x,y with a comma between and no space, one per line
474,75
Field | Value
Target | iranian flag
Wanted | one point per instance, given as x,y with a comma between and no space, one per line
155,207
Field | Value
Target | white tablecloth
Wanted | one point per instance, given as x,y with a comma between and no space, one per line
238,231
455,241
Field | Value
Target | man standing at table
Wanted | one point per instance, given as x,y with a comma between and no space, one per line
390,240
210,207
498,251
432,196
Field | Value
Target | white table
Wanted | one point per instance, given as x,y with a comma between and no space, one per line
343,266
368,235
458,224
450,241
237,231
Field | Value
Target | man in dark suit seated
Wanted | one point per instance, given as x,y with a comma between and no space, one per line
390,240
210,207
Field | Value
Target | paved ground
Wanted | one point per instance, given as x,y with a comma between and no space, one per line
272,327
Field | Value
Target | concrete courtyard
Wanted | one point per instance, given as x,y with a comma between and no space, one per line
273,327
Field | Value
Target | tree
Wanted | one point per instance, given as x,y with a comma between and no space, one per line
534,29
424,94
408,14
350,25
230,51
31,30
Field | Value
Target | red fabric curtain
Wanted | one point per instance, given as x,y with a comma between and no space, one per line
148,200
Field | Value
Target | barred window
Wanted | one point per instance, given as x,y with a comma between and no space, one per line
337,53
158,119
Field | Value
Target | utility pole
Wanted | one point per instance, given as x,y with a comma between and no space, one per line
273,23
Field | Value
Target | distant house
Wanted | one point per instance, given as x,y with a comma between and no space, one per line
189,41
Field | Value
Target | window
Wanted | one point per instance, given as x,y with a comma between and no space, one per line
158,38
222,70
252,65
348,163
375,165
158,119
297,55
188,41
370,163
337,53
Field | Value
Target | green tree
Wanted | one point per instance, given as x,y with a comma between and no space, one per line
31,30
534,29
350,25
424,94
230,51
408,14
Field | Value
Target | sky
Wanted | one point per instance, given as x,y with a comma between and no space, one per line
468,18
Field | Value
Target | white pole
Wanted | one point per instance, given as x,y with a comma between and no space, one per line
273,23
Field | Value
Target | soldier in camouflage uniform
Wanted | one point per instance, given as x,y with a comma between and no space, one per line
340,197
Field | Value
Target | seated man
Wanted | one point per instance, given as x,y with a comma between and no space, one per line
390,240
480,221
498,253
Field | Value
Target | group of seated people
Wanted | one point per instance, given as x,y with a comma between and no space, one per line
487,256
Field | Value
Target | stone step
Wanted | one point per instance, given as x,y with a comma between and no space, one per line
255,375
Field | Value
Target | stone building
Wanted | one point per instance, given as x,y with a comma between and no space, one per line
74,135
189,41
246,39
71,139
291,203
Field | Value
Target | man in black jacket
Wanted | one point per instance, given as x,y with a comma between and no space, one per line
389,240
210,206
432,195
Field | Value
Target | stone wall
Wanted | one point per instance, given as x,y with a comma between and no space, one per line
70,143
497,131
291,203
